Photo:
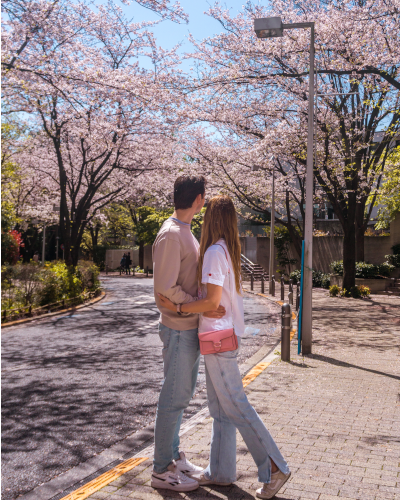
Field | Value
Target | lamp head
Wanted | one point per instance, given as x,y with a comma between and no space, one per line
268,27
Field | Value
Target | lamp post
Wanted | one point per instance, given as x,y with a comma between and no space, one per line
272,27
271,236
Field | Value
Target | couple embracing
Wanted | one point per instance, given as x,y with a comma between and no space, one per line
198,289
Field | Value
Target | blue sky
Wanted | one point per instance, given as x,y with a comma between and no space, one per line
200,25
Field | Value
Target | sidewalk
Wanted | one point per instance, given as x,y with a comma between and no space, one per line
335,414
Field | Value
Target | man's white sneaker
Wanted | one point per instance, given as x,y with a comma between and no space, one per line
173,479
203,481
186,467
269,490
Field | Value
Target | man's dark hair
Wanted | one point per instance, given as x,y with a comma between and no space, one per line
186,189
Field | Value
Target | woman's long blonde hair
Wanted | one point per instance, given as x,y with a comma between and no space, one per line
220,221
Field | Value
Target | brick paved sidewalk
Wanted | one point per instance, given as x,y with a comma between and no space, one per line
335,414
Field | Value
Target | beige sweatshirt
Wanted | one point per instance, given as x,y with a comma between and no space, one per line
175,257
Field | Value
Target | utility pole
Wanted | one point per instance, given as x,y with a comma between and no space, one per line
44,243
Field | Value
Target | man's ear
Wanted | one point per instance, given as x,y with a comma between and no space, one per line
199,199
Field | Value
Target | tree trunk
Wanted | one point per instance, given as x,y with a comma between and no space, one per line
141,254
360,257
360,229
349,257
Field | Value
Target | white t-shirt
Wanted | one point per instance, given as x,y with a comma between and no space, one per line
216,265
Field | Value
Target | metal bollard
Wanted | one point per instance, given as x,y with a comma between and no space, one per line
251,281
120,270
147,271
282,288
285,332
262,283
291,285
290,298
273,286
106,269
297,296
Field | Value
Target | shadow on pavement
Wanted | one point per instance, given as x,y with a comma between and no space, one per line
337,362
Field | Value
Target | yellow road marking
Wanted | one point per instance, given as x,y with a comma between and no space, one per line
88,489
253,373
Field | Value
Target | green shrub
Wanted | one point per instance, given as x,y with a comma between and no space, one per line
334,290
295,276
386,269
59,282
319,279
344,293
337,267
356,291
364,291
364,270
393,259
88,273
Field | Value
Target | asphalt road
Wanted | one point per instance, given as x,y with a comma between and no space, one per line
74,385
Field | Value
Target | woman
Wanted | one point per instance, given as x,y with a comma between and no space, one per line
219,274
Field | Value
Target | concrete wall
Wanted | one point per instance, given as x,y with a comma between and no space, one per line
148,257
375,248
114,256
326,249
395,231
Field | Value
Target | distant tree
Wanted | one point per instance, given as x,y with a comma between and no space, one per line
389,197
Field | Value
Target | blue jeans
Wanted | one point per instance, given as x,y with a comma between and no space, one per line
181,355
231,410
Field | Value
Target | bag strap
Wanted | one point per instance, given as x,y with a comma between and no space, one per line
229,274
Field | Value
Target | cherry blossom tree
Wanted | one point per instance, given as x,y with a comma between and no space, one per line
255,94
100,121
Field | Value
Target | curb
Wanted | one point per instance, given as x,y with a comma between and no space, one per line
49,315
275,301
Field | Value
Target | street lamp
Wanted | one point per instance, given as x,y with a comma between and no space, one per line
272,27
271,236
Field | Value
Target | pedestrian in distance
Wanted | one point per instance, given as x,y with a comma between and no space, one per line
35,257
128,262
219,275
175,258
123,261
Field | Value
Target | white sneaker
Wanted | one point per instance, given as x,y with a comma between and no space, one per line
186,467
173,479
203,481
269,490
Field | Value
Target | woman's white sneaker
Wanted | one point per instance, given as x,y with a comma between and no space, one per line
204,481
269,490
173,479
186,467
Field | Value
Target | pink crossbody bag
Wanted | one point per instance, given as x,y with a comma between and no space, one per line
218,341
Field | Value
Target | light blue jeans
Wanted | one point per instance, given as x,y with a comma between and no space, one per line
231,410
181,355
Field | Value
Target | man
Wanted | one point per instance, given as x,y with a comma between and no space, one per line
128,263
175,257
